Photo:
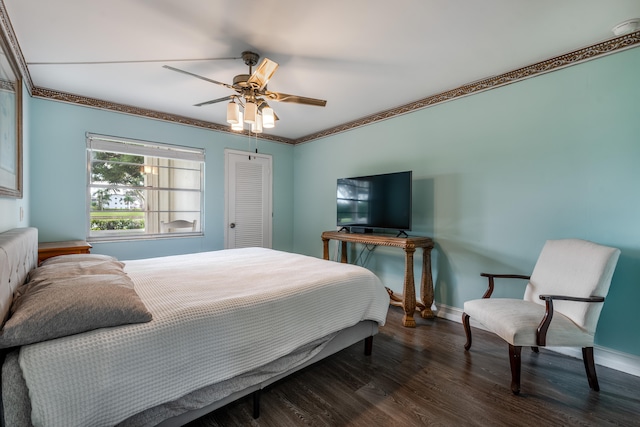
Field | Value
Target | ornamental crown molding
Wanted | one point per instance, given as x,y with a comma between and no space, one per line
543,67
572,58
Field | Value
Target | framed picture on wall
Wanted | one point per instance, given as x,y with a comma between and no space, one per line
10,123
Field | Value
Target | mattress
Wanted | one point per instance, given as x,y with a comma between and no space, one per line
216,316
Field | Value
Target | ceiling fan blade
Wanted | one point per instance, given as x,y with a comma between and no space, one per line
213,101
284,97
263,73
197,76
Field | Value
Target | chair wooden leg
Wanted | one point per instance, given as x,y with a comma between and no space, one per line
590,367
467,330
514,360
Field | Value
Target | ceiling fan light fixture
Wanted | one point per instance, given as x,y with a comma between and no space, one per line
248,104
233,113
240,125
268,118
250,112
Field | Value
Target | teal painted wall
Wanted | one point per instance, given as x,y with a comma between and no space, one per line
58,174
498,173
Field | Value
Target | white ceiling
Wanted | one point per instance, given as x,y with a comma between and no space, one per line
362,56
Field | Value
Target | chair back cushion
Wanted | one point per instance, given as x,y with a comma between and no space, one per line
576,268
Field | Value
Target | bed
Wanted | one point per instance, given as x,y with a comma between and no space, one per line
200,331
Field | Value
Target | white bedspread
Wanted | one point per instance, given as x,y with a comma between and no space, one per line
215,315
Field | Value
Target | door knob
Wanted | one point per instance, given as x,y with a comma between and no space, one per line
232,225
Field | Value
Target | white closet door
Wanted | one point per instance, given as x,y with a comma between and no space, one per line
248,211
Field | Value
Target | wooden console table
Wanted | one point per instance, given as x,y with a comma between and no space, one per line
408,299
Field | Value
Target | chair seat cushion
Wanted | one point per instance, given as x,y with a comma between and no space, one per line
516,322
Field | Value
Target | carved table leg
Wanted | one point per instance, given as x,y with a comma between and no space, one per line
409,294
325,248
426,285
343,253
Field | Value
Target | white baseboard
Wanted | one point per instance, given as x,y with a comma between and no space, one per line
627,363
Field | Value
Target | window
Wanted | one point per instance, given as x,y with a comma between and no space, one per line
138,189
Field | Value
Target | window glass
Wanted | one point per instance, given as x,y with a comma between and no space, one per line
139,189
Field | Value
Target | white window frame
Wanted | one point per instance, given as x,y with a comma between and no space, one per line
155,154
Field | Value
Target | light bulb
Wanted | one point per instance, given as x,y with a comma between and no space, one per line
250,112
240,125
268,118
233,111
256,127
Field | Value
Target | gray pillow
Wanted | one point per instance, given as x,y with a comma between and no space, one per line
74,269
77,258
52,307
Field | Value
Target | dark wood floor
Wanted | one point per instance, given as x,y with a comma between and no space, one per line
423,376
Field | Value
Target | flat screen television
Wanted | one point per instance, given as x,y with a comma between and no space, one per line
365,203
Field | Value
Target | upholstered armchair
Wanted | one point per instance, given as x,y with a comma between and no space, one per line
561,304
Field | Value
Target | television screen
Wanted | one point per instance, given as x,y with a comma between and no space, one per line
375,201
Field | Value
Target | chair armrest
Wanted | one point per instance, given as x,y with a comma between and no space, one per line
543,327
568,298
491,277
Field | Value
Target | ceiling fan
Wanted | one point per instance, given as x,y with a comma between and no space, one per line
252,95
